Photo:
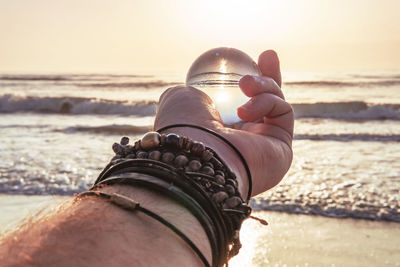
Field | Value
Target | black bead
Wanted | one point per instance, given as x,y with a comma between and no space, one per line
142,155
128,149
219,172
131,156
124,141
230,189
220,179
172,140
232,182
137,145
117,148
207,170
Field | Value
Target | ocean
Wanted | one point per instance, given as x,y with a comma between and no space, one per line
57,131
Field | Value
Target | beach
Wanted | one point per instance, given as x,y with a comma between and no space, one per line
337,206
288,240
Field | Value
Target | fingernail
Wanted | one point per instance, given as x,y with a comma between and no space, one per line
245,79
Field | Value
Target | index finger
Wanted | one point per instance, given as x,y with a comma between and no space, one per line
268,62
254,85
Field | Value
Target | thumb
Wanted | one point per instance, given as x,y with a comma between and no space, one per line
268,62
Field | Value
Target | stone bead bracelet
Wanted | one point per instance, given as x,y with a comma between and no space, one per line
191,156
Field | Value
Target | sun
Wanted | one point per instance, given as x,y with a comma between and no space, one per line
231,22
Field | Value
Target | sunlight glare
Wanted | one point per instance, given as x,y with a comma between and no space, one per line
222,68
222,96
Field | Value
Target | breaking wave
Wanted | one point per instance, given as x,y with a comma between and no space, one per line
75,105
348,111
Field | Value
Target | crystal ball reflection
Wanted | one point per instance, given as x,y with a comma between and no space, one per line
217,72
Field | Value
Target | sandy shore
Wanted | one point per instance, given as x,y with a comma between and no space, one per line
289,240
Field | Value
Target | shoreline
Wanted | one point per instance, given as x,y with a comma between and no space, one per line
288,240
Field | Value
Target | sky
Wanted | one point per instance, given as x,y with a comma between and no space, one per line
167,35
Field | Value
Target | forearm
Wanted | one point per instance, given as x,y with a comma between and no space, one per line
92,231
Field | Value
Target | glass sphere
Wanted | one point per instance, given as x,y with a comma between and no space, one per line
217,72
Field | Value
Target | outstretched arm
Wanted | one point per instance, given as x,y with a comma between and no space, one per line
92,232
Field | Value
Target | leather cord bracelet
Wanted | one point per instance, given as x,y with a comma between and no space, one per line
189,173
131,205
127,177
246,166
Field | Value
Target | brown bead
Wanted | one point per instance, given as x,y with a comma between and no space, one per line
197,148
189,144
185,141
181,142
207,170
232,202
142,155
230,189
219,197
219,179
167,157
150,140
206,155
181,160
194,165
155,155
124,141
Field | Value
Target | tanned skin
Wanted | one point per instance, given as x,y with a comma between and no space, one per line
93,232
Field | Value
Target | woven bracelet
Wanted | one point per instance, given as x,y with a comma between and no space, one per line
194,170
131,205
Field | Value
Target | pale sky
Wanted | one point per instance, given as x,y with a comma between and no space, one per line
149,35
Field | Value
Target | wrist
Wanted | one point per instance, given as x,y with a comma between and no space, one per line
225,151
159,239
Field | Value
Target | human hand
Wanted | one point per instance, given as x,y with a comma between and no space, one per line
265,136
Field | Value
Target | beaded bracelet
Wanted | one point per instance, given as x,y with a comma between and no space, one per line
198,172
241,157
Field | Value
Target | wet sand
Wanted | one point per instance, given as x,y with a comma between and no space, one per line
288,240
